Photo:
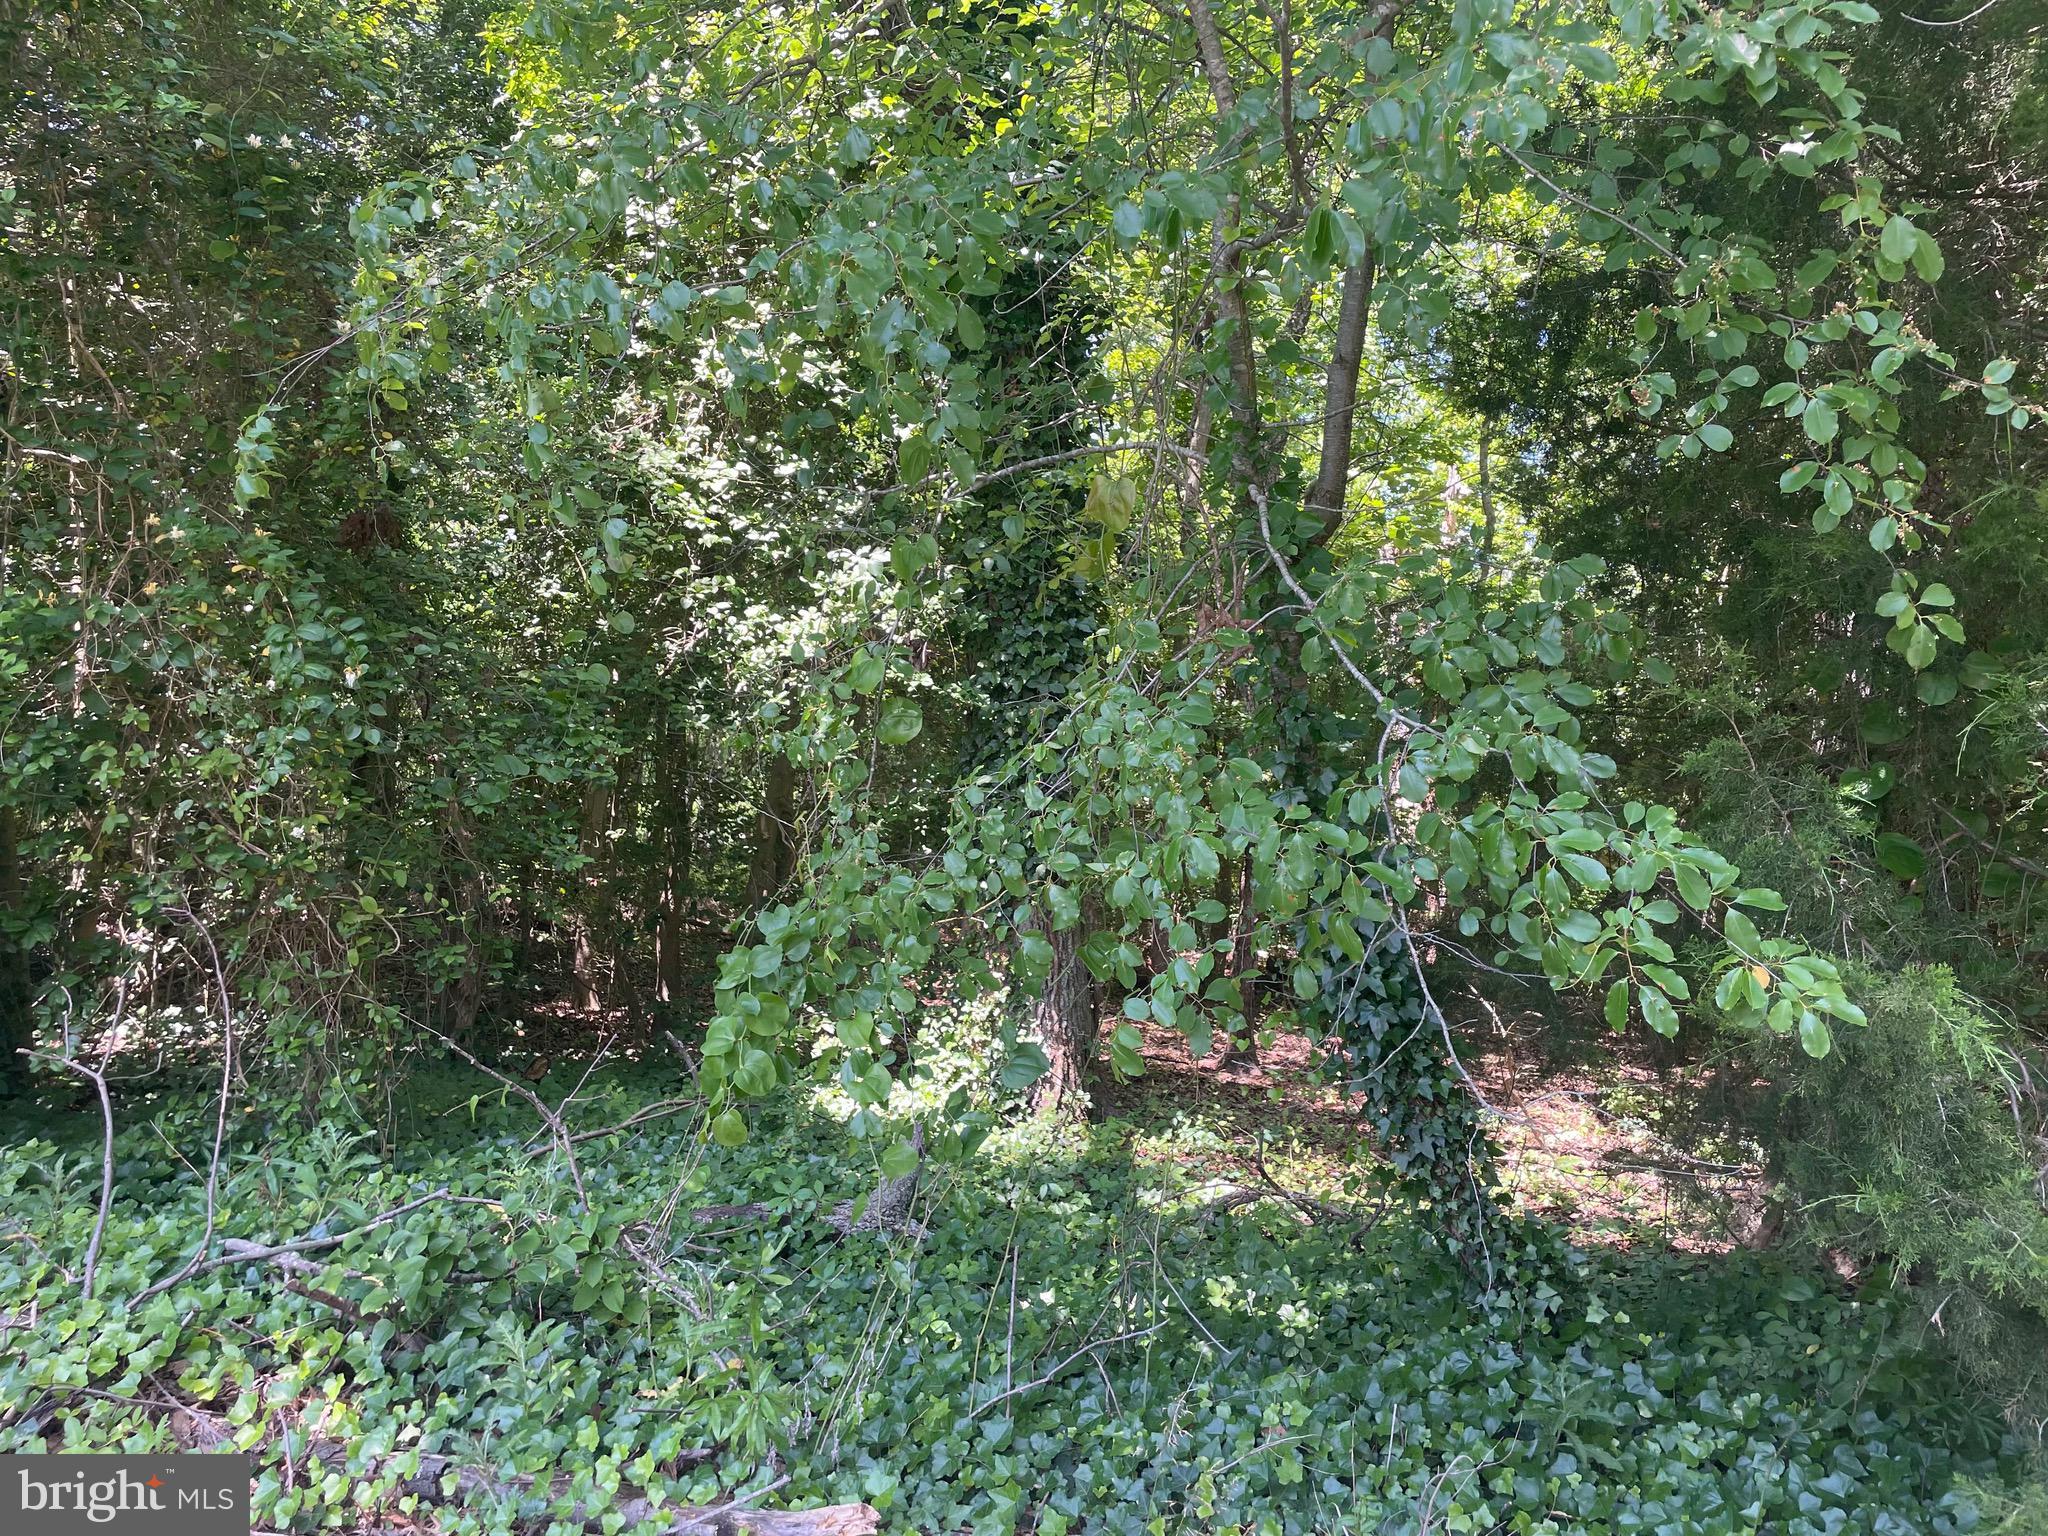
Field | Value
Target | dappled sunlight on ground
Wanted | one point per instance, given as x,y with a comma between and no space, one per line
1576,1146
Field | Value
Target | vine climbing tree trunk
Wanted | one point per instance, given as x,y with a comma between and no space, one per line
1063,1017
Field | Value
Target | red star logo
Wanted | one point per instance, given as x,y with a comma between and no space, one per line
156,1482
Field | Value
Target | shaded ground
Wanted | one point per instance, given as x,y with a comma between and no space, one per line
1579,1139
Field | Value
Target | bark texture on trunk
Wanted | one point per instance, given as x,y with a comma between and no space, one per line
1063,1018
1244,965
774,855
1486,498
1340,397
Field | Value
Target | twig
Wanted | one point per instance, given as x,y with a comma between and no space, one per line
1054,1373
640,1117
99,1226
552,1120
250,1254
1959,21
195,1264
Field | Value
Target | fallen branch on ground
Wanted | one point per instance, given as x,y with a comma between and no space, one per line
245,1253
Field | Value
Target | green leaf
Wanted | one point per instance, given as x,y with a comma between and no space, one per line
1935,688
1658,1012
913,458
1616,1007
864,674
1898,239
901,720
1579,927
1901,855
1741,932
900,1160
1980,670
729,1129
1027,1064
1814,1038
1927,258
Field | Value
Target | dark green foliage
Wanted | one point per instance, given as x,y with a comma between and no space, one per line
1916,1145
572,528
1280,1378
1394,1055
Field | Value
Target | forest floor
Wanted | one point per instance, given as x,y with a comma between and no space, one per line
1581,1141
555,1296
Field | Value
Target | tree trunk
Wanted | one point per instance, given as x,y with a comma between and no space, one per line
1244,963
677,830
1486,498
597,804
1063,1018
774,856
470,928
17,1018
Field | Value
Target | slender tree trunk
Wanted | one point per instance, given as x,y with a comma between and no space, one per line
1064,1020
1244,962
676,875
17,1019
774,856
465,995
1486,498
1340,396
595,821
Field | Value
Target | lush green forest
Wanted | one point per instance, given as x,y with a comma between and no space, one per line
976,766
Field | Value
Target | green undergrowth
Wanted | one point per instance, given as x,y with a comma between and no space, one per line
1075,1345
